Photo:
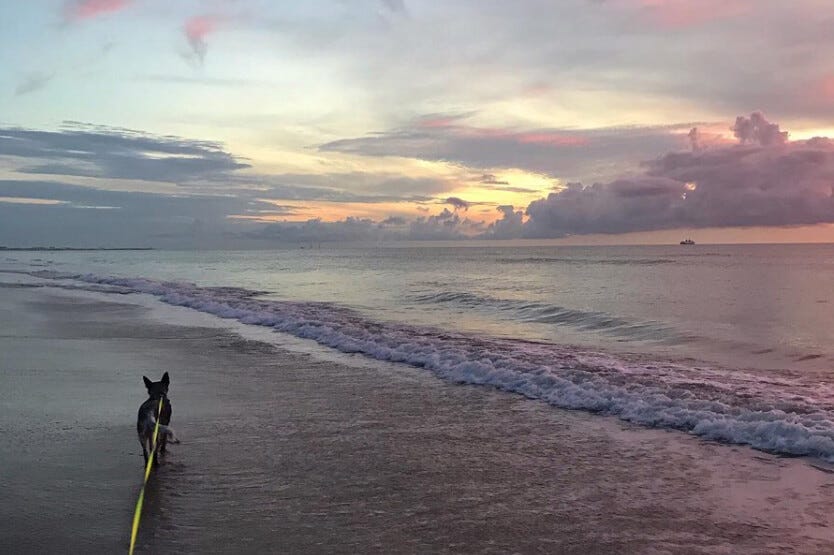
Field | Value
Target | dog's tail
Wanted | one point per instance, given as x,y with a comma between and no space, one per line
166,432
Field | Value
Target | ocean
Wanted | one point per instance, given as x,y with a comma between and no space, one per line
731,343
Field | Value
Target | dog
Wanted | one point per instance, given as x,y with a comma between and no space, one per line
148,414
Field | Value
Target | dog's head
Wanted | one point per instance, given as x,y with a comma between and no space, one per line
157,389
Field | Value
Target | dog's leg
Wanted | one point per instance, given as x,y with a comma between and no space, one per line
156,454
161,440
165,419
142,439
144,450
148,440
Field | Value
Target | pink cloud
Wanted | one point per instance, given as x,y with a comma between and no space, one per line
454,125
440,122
679,14
88,9
708,136
757,130
561,152
819,92
826,87
543,137
549,138
537,89
763,180
197,29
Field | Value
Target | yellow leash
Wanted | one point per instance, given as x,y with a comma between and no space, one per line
137,514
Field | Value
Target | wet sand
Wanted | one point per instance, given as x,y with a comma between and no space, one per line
286,452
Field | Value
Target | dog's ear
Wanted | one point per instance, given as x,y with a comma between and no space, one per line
148,383
165,379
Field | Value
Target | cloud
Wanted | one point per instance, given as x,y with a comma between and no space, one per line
316,231
758,131
821,91
197,167
196,30
105,152
201,80
510,189
365,187
765,180
394,221
511,224
564,153
695,138
78,10
446,225
490,179
391,185
81,216
616,61
33,82
679,14
397,6
457,203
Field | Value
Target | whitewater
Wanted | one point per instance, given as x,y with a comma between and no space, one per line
788,412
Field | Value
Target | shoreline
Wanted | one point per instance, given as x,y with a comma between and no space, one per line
72,249
292,452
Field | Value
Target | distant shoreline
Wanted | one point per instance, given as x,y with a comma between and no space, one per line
55,249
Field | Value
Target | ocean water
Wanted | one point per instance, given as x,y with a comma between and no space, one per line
730,343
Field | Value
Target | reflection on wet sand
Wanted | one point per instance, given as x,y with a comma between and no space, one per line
286,452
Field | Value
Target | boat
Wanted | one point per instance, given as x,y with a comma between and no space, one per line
687,242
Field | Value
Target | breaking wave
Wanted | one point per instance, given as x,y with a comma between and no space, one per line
586,261
545,313
781,414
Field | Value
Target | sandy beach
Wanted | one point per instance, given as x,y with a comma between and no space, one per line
287,452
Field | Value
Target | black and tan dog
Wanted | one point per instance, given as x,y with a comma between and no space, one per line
148,414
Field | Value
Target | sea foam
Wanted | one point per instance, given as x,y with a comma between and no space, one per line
781,414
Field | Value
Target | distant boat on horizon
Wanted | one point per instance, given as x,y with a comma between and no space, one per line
687,242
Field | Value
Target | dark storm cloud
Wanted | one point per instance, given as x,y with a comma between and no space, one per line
94,151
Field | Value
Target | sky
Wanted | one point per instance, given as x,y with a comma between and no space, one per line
250,123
